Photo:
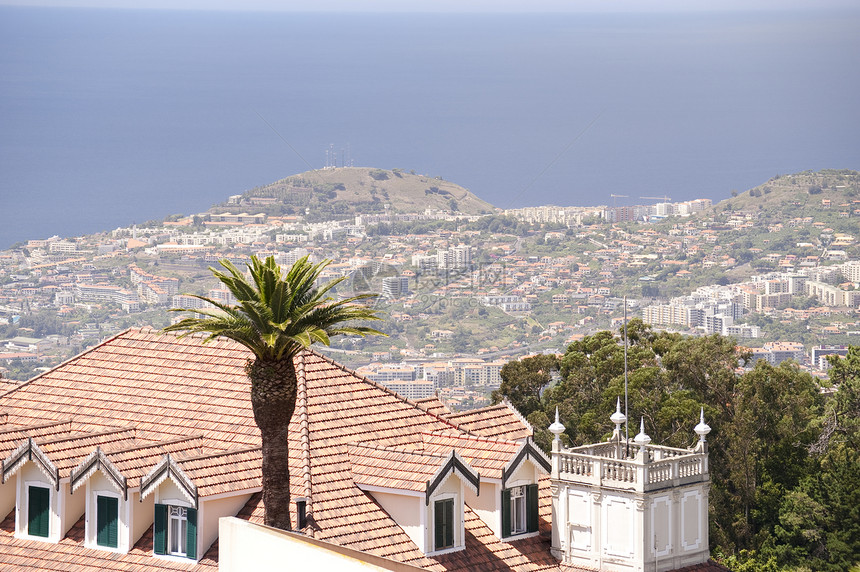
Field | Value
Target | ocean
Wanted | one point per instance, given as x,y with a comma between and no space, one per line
109,117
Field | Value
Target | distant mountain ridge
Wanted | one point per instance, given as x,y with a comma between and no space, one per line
348,190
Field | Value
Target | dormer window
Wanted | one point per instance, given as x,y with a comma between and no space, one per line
107,521
519,510
426,497
175,531
175,520
443,524
38,511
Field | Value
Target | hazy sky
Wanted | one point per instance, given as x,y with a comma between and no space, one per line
451,5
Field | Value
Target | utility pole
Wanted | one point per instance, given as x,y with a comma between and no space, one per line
626,426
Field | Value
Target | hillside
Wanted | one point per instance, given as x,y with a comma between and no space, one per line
801,195
325,193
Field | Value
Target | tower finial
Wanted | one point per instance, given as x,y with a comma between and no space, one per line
642,438
556,428
702,428
618,418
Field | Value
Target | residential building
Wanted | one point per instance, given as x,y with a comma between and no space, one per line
127,456
395,286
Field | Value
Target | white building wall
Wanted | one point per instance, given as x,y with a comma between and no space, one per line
142,514
210,511
487,505
408,512
245,546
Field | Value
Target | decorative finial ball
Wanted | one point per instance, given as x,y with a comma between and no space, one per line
702,428
618,418
556,428
642,438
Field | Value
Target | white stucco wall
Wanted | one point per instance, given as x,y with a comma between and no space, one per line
208,514
169,493
408,512
487,505
73,506
625,531
526,474
7,496
142,514
244,546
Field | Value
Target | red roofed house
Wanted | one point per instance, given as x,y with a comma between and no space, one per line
126,457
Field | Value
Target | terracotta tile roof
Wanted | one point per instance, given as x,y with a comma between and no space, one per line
66,451
500,421
143,394
382,467
70,555
433,405
224,472
485,455
136,461
149,381
12,436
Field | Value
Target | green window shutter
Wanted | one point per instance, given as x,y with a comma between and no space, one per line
506,512
444,523
439,525
449,522
532,508
191,536
107,515
159,534
38,511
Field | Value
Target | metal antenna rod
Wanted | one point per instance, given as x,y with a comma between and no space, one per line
626,427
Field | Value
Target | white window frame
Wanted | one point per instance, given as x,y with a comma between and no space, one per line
179,515
92,525
458,524
177,502
519,512
22,512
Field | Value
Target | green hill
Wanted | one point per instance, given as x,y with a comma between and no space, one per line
810,193
327,193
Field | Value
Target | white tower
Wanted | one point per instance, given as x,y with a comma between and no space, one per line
632,506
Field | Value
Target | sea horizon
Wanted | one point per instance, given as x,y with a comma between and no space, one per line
112,117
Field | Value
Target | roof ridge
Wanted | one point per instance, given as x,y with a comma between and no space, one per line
24,428
507,403
86,351
472,437
382,387
223,453
304,435
84,435
469,411
421,452
152,444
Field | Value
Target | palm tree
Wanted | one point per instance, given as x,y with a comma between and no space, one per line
276,316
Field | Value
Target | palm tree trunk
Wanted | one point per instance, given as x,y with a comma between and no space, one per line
273,399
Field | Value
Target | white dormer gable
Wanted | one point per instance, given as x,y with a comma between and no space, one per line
108,523
446,505
426,496
175,510
519,510
37,499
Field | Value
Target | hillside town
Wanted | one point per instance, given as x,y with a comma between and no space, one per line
462,294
